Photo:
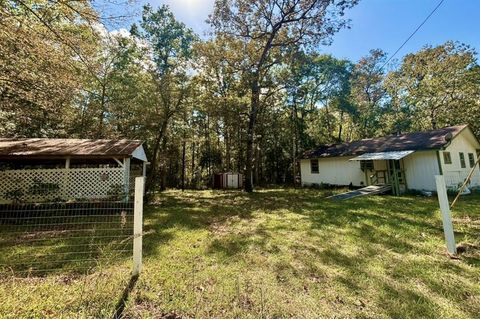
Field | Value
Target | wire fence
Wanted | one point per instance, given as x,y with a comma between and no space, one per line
66,237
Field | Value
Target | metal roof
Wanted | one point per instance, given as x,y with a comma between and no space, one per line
433,139
382,156
59,147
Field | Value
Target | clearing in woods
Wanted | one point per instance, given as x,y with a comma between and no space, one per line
278,253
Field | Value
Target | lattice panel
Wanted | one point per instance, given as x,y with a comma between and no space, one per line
60,184
133,174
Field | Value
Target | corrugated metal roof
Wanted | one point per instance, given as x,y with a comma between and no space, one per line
55,147
382,156
434,139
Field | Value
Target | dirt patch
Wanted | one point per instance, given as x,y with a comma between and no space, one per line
219,228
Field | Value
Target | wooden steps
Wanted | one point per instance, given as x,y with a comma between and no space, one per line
365,191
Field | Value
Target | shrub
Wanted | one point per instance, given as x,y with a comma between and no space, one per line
41,188
15,195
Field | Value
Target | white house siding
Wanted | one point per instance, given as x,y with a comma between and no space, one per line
420,167
420,170
333,170
454,173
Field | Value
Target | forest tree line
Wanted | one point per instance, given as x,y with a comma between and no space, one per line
251,97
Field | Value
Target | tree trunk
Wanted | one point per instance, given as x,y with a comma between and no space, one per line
294,141
227,149
207,138
103,111
193,164
240,147
257,165
156,148
184,146
254,105
433,121
163,170
340,127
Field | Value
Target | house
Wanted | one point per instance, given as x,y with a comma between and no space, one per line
407,161
45,169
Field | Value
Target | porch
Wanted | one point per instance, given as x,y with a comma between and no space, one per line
42,170
386,168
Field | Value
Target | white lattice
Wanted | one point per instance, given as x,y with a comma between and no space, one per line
60,184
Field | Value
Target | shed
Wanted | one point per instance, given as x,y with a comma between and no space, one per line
45,169
227,180
405,161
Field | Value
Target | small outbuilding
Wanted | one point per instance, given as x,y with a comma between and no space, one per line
227,180
44,169
406,161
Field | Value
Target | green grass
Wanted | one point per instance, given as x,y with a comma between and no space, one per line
278,253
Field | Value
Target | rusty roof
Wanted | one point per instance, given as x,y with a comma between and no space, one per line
61,147
427,140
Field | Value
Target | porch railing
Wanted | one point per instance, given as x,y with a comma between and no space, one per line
394,179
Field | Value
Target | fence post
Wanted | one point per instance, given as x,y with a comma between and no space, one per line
446,217
137,225
126,177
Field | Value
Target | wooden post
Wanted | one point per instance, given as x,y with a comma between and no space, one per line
396,185
126,177
66,178
137,225
446,217
144,169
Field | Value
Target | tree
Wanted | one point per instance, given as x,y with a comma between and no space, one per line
317,92
171,43
113,88
267,28
44,45
440,85
222,97
328,92
368,92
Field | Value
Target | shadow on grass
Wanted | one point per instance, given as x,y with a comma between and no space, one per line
388,221
375,229
119,308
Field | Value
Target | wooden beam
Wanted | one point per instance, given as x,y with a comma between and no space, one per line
395,180
465,182
126,176
118,161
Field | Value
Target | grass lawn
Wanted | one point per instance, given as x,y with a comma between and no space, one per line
278,253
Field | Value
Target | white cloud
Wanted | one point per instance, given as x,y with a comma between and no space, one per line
191,12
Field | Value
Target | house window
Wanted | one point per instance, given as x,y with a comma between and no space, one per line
447,159
471,159
314,166
366,165
462,160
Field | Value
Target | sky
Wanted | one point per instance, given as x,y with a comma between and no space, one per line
375,24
